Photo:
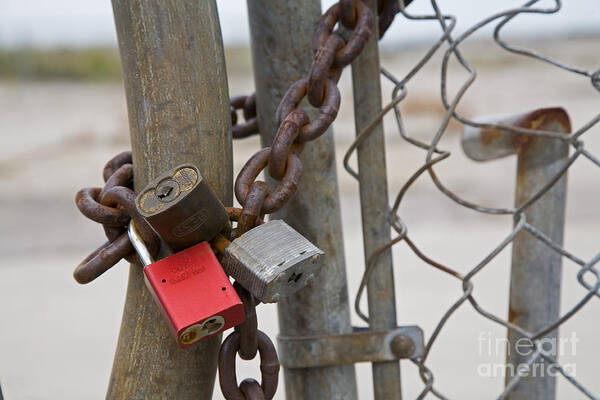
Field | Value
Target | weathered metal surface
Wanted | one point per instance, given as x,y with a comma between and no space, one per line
250,126
138,244
281,193
177,99
293,124
483,144
116,198
374,206
182,207
281,51
272,261
360,346
535,280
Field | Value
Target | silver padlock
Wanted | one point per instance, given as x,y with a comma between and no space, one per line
271,260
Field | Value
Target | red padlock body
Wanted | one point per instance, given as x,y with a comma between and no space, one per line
194,294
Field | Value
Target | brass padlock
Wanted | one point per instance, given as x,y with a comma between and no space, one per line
182,207
271,260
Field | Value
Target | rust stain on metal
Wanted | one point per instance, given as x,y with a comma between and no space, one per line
522,142
487,135
542,119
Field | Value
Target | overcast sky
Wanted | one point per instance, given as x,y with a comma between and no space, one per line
50,23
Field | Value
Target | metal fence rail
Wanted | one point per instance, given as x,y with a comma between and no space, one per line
529,230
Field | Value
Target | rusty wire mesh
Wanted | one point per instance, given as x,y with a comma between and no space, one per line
450,43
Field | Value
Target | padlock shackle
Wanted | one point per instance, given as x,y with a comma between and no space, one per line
220,243
138,244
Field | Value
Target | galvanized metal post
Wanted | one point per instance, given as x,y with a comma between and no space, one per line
374,208
536,269
177,98
281,33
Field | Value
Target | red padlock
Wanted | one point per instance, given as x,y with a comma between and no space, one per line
191,290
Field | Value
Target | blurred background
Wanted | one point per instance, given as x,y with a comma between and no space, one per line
63,114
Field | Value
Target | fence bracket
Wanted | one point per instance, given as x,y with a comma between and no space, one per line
362,345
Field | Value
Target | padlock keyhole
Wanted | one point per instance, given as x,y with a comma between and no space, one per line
164,191
212,325
294,278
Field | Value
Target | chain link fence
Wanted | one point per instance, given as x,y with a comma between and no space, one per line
588,276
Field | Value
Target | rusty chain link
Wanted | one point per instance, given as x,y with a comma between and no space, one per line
250,126
269,368
113,206
331,53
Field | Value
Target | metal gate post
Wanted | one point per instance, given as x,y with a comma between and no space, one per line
177,98
535,279
374,208
281,35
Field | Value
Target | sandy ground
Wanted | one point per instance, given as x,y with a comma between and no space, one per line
57,338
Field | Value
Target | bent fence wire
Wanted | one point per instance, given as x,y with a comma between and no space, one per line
450,45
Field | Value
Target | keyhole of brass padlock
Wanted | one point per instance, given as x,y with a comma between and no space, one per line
167,190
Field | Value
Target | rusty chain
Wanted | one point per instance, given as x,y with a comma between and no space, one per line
332,52
113,205
114,213
387,10
248,105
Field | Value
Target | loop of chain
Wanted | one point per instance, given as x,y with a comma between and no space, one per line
115,163
282,193
348,13
327,111
235,214
596,79
283,143
249,328
123,176
387,10
294,127
269,367
251,389
321,70
252,211
113,206
248,105
359,36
